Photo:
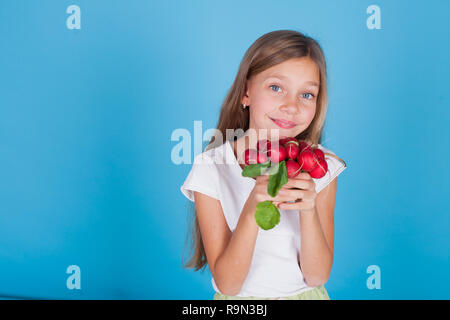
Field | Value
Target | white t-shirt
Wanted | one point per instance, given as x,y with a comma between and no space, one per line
274,270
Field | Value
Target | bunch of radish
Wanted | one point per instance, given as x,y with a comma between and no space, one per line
299,156
282,160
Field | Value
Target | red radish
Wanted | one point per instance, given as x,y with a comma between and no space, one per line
277,153
292,150
250,156
283,141
263,145
304,146
307,160
293,168
320,170
319,153
261,157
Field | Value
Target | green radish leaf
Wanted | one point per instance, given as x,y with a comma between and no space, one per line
255,170
277,179
267,215
273,169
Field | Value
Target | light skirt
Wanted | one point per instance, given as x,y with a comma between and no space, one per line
318,293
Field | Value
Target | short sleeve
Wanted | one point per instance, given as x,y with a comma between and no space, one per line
203,177
335,167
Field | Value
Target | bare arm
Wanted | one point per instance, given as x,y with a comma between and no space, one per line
316,226
229,254
317,237
316,257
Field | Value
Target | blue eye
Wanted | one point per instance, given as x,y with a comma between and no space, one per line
274,85
312,96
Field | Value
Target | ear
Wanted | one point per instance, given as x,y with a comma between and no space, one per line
245,98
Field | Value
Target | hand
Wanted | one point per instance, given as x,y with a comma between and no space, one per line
259,192
300,189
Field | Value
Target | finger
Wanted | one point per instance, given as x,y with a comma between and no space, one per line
290,194
276,203
302,176
295,194
284,198
300,205
262,178
300,184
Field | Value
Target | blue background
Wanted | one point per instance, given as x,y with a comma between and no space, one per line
86,118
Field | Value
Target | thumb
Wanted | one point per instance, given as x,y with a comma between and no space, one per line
276,203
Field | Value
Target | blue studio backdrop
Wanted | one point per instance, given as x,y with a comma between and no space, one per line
91,92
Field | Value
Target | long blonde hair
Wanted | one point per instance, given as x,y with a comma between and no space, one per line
267,51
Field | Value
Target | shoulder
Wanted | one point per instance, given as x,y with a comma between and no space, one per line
212,155
204,176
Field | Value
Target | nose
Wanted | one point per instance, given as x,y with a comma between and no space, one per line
290,105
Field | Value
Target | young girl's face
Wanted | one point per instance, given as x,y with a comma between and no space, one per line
285,92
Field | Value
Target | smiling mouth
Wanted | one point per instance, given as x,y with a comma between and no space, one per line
283,124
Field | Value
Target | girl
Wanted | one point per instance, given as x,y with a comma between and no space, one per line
280,87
